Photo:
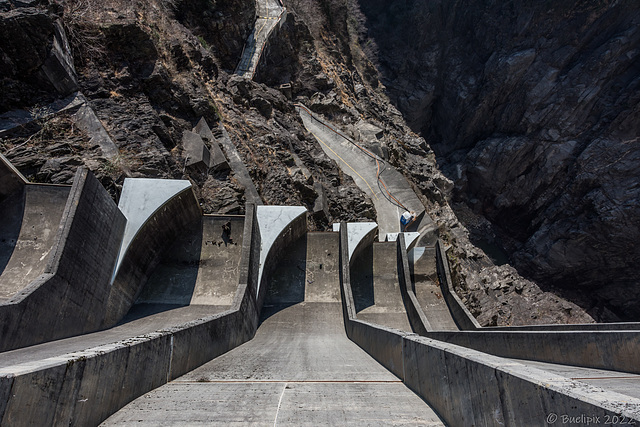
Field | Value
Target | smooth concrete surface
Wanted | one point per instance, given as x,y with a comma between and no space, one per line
195,152
300,369
411,238
612,350
467,387
201,267
147,247
428,292
85,118
619,326
28,230
618,382
142,319
278,403
70,296
218,161
273,221
376,287
360,235
139,199
474,388
85,387
363,169
268,13
419,322
11,180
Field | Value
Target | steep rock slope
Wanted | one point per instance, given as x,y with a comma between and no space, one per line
151,69
533,110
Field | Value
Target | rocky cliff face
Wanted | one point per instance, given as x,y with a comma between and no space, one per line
150,70
533,111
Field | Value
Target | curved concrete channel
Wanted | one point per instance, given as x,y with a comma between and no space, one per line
299,369
196,278
376,287
28,229
334,343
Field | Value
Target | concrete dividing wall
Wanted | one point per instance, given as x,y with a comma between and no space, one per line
467,387
295,229
11,181
461,315
627,326
145,251
417,318
612,350
70,296
84,388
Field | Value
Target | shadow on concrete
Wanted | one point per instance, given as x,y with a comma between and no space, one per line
30,225
139,311
174,279
362,279
286,285
11,214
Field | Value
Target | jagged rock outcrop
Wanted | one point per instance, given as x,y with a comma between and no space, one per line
35,57
174,69
533,110
150,72
223,25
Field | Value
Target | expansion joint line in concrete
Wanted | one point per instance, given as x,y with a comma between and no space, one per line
275,421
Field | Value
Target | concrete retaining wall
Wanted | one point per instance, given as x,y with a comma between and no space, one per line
461,315
70,297
146,249
613,350
417,318
85,388
11,181
467,387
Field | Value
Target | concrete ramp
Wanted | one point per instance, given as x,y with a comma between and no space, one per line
425,277
58,246
201,267
376,287
300,369
28,230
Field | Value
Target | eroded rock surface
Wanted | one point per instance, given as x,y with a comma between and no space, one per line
533,110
